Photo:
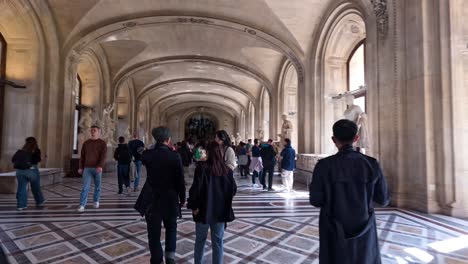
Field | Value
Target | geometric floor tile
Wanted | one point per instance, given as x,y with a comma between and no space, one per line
118,250
27,231
266,233
244,245
282,224
301,243
269,228
79,259
83,229
281,256
311,231
50,252
38,240
99,238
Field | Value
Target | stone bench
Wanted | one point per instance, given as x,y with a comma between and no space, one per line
305,165
49,176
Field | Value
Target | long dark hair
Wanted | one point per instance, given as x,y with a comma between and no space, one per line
215,162
223,135
30,145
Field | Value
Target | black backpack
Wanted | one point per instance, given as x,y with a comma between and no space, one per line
22,160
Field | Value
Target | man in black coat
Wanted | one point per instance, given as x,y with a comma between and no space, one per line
345,186
268,154
167,184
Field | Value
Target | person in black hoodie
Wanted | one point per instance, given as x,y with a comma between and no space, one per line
210,199
123,157
23,161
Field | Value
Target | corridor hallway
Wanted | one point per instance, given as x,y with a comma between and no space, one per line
271,227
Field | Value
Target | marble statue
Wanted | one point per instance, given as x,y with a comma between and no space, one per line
238,138
286,128
108,125
355,114
260,134
128,135
85,123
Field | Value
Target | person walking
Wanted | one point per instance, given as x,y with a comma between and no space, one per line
136,147
345,186
23,161
210,199
242,159
256,165
92,160
186,155
124,158
288,164
222,138
167,187
268,154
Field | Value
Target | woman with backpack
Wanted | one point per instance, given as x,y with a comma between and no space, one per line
210,199
25,162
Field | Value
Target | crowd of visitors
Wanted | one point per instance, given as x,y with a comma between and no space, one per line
344,186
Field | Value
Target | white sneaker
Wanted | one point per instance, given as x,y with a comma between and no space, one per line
96,205
255,185
80,209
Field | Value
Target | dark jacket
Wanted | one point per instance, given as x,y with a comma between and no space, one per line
288,158
36,157
136,147
166,179
122,154
22,160
145,200
186,156
268,154
344,186
212,195
255,151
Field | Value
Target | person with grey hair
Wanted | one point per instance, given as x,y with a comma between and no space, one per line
166,185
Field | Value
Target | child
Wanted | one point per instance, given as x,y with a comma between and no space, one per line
123,157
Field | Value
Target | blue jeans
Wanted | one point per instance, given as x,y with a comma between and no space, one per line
217,233
89,173
138,173
24,177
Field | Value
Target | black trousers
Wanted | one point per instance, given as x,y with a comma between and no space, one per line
270,170
123,176
153,221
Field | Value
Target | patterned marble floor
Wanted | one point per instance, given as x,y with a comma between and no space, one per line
272,227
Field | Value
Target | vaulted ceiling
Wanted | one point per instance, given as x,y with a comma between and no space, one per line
221,52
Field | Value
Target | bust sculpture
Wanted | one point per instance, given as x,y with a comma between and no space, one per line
355,114
286,128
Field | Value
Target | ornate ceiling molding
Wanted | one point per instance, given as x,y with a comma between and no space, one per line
147,90
288,49
243,69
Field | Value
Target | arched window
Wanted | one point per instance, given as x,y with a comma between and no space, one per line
3,47
77,93
356,75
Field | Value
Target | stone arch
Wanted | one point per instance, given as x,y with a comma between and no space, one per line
287,94
344,27
32,60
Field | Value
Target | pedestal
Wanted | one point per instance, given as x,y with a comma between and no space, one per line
305,165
